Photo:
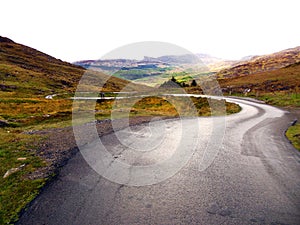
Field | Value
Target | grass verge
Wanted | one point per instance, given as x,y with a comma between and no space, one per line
293,134
281,99
17,150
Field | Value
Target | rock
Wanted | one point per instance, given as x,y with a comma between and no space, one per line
294,122
21,159
3,123
12,170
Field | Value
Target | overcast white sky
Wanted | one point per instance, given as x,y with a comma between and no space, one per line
76,30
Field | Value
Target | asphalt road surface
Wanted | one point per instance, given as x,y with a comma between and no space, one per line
251,176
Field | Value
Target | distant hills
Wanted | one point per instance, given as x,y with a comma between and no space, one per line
150,70
155,71
25,71
169,61
147,62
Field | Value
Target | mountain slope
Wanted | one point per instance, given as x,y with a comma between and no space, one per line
25,71
286,80
262,63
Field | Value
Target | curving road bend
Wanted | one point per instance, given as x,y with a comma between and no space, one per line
253,178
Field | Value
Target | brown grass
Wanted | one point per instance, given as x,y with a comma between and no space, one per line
282,80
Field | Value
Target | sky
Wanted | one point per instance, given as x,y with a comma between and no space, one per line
90,29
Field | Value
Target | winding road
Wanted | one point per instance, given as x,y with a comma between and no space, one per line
248,173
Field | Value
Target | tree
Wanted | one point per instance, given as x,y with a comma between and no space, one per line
172,83
173,79
194,83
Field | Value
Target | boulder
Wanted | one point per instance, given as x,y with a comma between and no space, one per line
3,123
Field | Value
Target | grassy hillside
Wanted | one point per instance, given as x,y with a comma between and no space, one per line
262,63
26,72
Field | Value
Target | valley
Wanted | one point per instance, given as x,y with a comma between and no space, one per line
37,106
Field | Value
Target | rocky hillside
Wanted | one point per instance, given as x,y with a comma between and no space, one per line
263,63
